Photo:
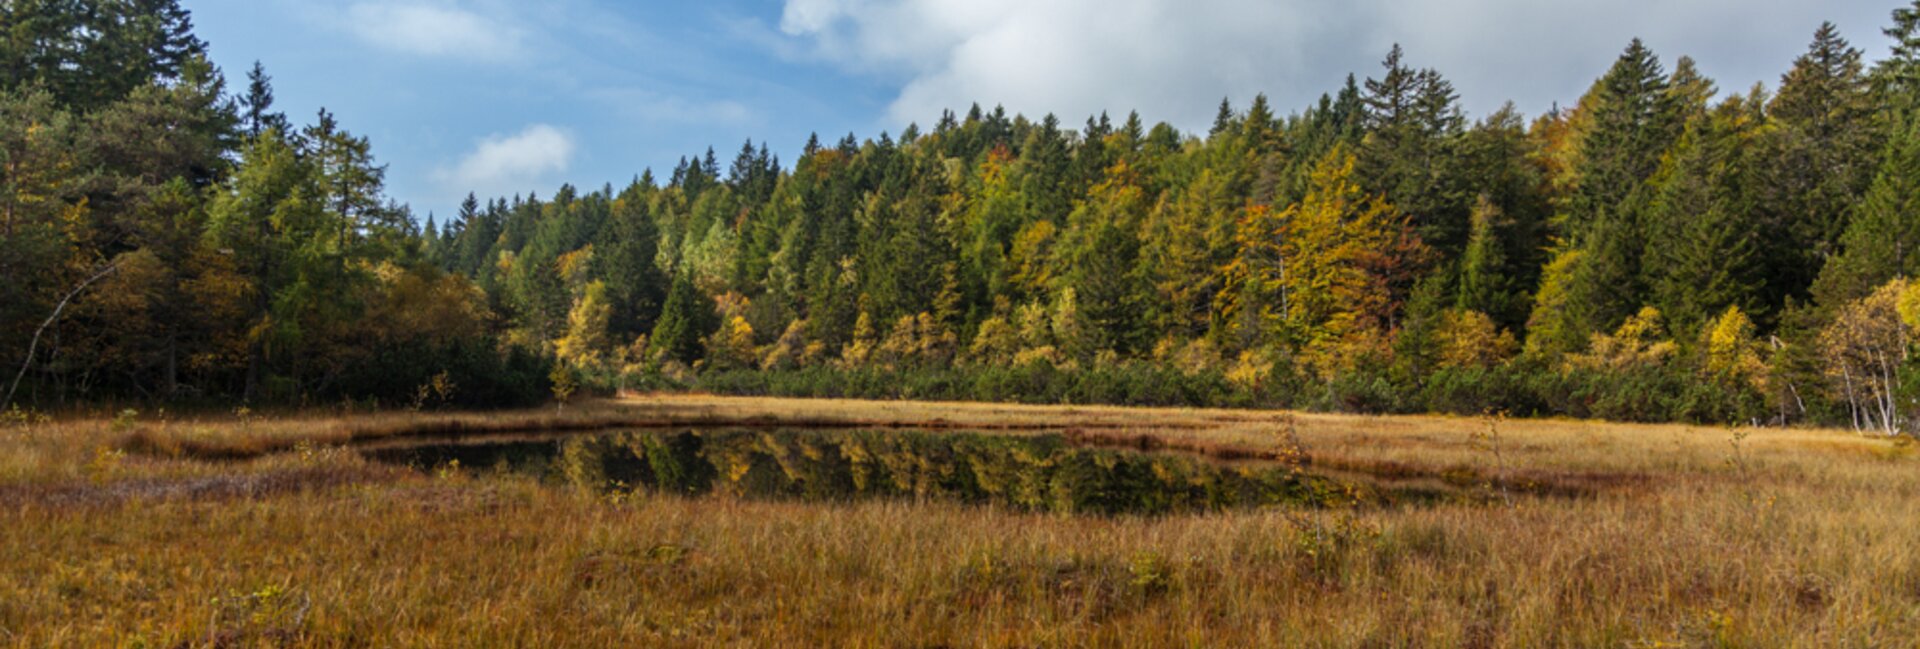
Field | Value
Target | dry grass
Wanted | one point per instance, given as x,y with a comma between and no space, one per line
126,535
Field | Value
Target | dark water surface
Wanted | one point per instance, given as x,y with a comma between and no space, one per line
1043,473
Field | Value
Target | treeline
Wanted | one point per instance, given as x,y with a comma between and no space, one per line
164,240
1661,250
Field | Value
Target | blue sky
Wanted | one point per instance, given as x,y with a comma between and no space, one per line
504,97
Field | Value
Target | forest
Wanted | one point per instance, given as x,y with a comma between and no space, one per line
1658,249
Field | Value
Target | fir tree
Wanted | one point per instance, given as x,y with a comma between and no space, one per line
685,322
1703,246
1817,162
1880,243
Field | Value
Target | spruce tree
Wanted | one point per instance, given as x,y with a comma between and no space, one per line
1817,162
1488,282
625,255
1702,245
1223,120
258,115
1412,120
1880,243
687,319
1629,123
1899,74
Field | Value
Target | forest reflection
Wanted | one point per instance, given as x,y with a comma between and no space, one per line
1041,473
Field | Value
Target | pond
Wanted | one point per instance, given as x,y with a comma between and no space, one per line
1027,472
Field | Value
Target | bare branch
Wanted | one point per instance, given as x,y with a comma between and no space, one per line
34,345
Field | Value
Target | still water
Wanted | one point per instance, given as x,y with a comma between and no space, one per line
1042,473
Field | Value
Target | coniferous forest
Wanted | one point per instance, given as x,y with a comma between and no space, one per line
1659,249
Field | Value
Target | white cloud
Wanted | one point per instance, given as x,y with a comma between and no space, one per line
503,164
432,29
1174,59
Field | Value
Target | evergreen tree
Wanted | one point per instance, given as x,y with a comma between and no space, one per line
1879,244
1627,123
686,320
1898,76
1816,162
1098,251
258,104
1627,126
1223,120
1703,245
1412,120
1488,282
626,256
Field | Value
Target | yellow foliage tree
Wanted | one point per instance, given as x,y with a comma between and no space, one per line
576,266
1549,328
1031,258
732,346
423,303
584,346
1320,276
787,352
1252,371
1471,339
857,352
995,343
916,339
1639,342
1732,354
1863,349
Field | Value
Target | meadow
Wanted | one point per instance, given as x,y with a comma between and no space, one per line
275,529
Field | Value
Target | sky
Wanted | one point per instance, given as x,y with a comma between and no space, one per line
502,98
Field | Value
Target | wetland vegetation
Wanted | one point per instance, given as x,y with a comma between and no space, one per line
355,529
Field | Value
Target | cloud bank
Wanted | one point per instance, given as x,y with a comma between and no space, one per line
500,165
1173,59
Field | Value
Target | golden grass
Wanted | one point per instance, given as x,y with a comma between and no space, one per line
125,536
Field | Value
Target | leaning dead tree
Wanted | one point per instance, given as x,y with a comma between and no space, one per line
34,345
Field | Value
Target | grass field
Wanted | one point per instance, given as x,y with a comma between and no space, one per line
274,531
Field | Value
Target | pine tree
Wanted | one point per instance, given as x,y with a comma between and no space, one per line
351,184
1412,120
1097,254
1499,164
1627,126
1899,74
1817,162
91,54
1703,246
1390,99
259,116
1488,282
627,252
1628,120
1689,93
1223,120
1879,245
686,320
1186,239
